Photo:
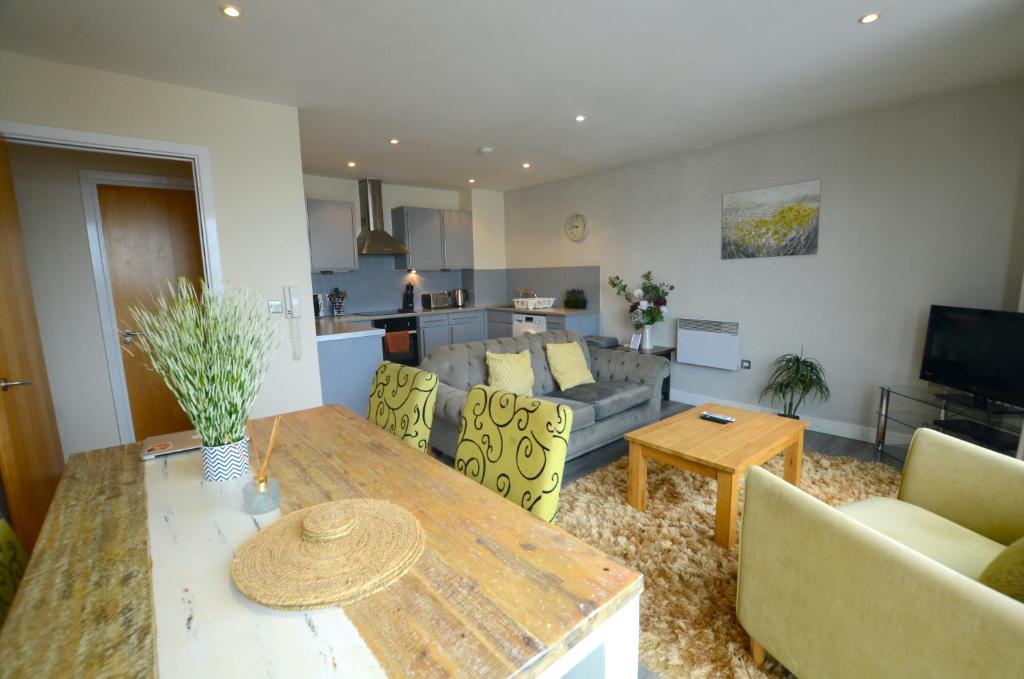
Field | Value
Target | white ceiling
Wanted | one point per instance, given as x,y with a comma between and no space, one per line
448,76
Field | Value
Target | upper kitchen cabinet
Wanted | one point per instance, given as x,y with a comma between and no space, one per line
332,235
437,239
457,232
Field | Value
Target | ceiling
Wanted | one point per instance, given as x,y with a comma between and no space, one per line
449,76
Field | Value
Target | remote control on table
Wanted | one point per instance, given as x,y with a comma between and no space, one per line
715,417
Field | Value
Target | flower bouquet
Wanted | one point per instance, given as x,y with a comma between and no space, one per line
647,303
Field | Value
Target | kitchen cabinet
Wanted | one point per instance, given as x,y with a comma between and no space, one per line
438,330
499,324
332,236
437,239
457,232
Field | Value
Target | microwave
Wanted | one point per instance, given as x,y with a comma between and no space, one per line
435,300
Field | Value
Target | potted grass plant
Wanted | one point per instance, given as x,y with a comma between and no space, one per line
793,379
212,351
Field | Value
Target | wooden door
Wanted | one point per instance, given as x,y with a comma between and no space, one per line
30,456
151,237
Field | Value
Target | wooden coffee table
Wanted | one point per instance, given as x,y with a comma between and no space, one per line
720,451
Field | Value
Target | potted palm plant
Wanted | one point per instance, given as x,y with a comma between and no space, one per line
793,379
212,351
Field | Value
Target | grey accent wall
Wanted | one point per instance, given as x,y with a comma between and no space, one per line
378,285
919,206
553,281
487,286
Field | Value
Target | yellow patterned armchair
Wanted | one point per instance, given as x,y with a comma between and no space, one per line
515,445
12,567
402,402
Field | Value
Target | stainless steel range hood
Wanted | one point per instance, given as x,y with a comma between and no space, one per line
373,239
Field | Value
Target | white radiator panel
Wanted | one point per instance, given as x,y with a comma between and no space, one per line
715,344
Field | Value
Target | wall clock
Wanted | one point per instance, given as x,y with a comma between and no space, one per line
576,228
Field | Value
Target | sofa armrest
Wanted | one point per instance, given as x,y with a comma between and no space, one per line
628,366
827,596
974,487
449,404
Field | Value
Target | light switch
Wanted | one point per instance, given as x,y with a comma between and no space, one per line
275,306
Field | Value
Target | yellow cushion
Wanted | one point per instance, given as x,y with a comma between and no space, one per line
1006,572
12,567
510,372
402,402
516,446
568,365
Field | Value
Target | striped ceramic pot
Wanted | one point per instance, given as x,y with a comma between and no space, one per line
223,463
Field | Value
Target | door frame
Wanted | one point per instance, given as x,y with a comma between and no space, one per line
202,184
90,181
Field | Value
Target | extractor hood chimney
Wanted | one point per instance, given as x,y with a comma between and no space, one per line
373,239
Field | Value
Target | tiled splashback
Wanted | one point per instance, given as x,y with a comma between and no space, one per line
553,281
377,285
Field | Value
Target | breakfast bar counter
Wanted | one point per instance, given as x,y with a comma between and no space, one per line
131,574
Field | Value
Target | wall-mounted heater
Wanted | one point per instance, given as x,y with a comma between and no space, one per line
715,344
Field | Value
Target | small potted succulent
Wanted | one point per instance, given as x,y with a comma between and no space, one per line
647,304
793,379
575,299
212,351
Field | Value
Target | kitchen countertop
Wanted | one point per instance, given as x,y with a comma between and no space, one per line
553,311
344,327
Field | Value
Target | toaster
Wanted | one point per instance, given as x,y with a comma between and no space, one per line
435,300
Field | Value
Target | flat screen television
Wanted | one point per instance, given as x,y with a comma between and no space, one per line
979,351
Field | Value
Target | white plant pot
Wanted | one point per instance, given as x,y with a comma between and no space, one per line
223,463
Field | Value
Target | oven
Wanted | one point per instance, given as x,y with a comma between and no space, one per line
398,348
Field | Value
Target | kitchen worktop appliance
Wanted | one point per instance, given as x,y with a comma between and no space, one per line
436,300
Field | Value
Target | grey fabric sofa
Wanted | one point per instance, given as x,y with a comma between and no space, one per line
626,394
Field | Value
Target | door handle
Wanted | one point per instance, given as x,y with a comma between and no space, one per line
6,384
128,336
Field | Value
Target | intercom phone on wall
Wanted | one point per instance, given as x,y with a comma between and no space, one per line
293,311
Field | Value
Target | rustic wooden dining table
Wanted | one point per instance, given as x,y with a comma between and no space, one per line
131,574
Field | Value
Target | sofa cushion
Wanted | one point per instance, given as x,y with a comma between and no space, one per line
582,413
567,364
608,398
940,539
1006,572
510,372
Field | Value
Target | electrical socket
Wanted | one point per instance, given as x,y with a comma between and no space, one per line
745,364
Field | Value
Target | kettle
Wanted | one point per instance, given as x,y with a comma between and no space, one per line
459,297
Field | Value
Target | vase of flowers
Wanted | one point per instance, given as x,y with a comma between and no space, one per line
212,351
647,304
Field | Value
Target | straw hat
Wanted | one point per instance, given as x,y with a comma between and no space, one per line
331,554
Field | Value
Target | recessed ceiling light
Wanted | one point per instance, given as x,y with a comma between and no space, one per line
526,166
870,18
231,11
580,118
394,141
472,181
351,163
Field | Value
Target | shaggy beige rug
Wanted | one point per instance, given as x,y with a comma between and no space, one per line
688,625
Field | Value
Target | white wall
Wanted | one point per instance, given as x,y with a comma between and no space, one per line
257,179
49,195
488,228
920,204
488,208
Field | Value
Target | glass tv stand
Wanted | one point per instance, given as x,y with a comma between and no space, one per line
902,409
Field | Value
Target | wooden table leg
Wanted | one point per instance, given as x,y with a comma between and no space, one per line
725,509
794,462
637,495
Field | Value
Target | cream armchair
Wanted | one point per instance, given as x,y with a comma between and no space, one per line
887,587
